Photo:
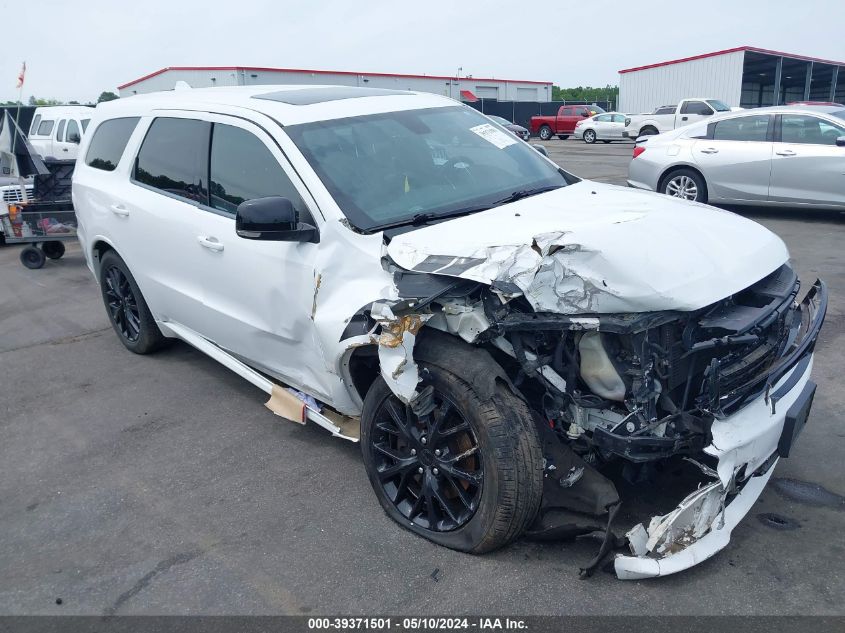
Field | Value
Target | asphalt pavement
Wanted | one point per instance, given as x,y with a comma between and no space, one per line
161,484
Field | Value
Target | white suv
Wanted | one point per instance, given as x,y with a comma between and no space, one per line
503,337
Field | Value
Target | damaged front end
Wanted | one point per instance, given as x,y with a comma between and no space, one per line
725,387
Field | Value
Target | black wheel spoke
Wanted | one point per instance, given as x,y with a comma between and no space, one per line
458,473
427,465
462,495
122,303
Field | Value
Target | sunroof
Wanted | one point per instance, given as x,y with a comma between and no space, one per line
309,96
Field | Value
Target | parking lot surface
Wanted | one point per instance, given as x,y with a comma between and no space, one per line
160,484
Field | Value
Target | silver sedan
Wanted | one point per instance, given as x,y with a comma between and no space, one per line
782,156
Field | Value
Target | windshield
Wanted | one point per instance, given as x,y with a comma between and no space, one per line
386,169
718,106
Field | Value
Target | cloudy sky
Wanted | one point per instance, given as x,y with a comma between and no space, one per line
75,50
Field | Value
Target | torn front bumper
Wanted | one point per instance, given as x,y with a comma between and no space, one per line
747,445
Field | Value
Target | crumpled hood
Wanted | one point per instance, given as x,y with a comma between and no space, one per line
596,248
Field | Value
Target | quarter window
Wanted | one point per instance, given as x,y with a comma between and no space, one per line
242,168
60,133
803,129
45,128
174,158
72,129
744,128
109,141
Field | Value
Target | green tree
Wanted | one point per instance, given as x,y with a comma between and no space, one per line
106,96
35,101
586,93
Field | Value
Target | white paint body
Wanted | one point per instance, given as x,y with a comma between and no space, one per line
637,124
282,307
57,143
606,127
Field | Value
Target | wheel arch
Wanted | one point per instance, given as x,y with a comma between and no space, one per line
677,167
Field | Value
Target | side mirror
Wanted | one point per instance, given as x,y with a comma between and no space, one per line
840,142
708,113
73,138
273,219
540,149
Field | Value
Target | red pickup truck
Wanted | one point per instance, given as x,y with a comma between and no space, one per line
564,123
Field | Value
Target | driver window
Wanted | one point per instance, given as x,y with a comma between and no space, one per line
243,168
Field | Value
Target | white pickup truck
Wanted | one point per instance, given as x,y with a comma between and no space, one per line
667,118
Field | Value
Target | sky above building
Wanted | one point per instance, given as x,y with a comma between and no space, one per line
74,50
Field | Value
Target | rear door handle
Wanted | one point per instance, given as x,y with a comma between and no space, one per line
710,150
119,209
785,152
211,243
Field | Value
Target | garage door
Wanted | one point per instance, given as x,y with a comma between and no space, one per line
487,92
526,94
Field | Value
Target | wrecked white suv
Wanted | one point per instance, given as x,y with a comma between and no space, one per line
512,345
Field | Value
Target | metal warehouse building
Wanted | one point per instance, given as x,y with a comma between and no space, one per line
744,76
466,88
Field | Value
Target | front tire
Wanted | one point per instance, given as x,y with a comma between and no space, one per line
545,133
128,312
590,136
466,475
563,137
685,184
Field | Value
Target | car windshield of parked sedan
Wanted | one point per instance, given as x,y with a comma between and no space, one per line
415,166
718,106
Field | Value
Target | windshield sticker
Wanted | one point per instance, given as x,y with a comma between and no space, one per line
494,135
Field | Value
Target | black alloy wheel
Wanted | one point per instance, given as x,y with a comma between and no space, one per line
122,305
428,465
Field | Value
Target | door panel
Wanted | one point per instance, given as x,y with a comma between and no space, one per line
736,161
259,294
807,166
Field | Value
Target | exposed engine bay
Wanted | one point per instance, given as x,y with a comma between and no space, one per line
636,388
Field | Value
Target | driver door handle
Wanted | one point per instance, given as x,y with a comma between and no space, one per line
211,243
710,150
785,152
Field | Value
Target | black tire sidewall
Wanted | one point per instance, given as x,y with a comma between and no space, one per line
32,257
53,250
475,535
149,336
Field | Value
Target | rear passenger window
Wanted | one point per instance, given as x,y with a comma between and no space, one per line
110,139
45,128
174,158
744,128
242,168
61,131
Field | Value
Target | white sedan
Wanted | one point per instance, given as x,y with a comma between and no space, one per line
604,127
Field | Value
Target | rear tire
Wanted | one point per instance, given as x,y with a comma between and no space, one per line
128,312
545,133
647,131
497,492
590,136
32,257
53,250
685,184
563,137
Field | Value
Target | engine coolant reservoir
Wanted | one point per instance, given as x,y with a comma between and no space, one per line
597,370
